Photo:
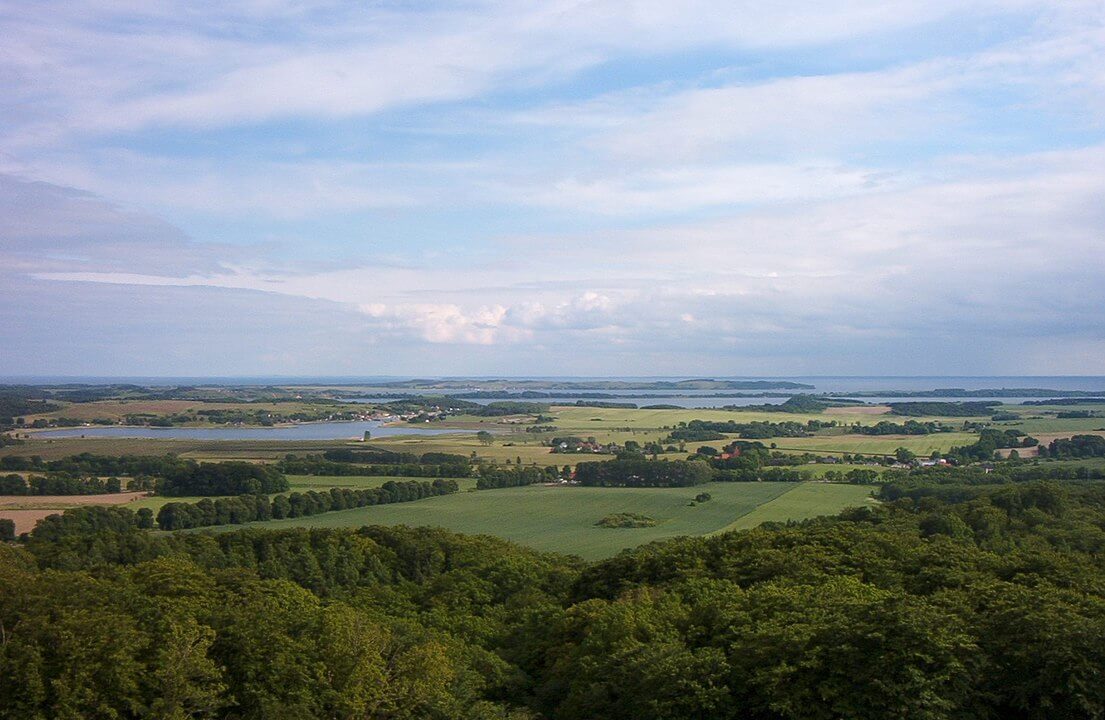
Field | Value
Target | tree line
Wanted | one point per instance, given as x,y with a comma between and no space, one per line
1077,446
909,427
58,484
167,474
629,472
491,477
251,508
707,430
315,465
943,409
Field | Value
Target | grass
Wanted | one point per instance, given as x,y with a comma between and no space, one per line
805,501
562,519
875,444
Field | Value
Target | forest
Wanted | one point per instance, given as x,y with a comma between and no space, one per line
954,598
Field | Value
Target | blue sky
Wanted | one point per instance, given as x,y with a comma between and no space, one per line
585,188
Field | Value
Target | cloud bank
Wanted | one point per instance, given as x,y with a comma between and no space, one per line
554,189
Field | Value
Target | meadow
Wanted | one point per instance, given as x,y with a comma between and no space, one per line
562,518
807,500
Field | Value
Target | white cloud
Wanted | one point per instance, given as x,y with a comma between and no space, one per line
226,66
1014,253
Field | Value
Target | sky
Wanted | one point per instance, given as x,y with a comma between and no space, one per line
565,187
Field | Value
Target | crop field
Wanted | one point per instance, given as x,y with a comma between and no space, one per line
805,501
27,510
562,519
876,444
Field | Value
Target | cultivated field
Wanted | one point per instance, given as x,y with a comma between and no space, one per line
27,510
807,500
562,519
875,444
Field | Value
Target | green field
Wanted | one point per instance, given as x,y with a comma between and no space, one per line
805,501
562,519
875,444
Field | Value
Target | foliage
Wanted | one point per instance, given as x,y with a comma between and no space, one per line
175,476
1078,446
405,465
943,409
706,430
802,403
956,598
57,484
909,427
643,473
626,520
250,508
224,478
501,408
989,441
496,477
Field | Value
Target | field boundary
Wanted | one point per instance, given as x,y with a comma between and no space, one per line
767,510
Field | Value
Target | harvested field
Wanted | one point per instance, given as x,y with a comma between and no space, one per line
27,510
860,410
51,501
25,520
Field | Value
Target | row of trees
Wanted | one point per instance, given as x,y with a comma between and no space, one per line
173,475
57,484
250,508
315,465
1078,446
224,478
990,440
633,472
495,477
707,430
943,409
909,427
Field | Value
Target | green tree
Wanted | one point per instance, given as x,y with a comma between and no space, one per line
145,518
905,456
184,681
